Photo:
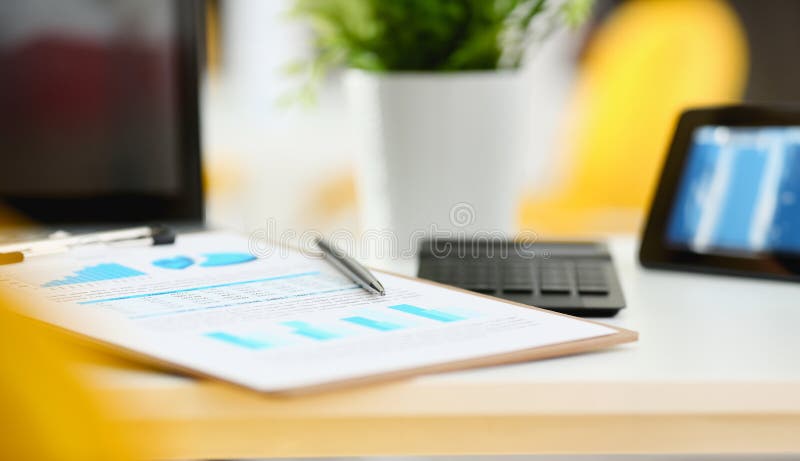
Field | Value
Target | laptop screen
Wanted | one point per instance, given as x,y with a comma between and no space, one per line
98,110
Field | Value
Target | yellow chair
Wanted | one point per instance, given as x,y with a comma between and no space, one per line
45,414
650,60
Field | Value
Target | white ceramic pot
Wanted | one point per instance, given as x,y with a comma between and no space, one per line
439,152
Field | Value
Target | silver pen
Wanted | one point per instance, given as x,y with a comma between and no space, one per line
151,235
351,268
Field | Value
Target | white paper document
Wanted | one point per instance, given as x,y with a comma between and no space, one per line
282,322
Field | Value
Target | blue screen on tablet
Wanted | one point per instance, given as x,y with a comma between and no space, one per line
739,192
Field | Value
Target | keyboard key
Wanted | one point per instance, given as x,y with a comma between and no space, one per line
555,289
518,277
556,278
592,279
477,274
593,290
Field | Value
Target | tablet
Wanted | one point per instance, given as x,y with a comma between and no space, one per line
728,200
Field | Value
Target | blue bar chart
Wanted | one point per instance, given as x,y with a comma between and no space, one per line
365,322
241,341
373,324
309,331
99,272
432,314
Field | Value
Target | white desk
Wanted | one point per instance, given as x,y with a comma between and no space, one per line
716,370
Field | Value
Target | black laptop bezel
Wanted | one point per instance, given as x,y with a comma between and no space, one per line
186,206
654,251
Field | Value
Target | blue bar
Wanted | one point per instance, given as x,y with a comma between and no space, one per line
304,329
427,313
374,324
238,341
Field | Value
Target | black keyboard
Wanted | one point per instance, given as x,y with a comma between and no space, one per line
573,278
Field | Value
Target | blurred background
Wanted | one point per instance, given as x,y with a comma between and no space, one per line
604,101
600,101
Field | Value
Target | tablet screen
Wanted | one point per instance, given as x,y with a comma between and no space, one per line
739,192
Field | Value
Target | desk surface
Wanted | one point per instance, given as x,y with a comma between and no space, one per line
716,369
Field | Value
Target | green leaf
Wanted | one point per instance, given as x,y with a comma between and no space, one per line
575,12
422,35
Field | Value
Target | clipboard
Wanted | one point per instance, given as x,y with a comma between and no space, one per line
110,335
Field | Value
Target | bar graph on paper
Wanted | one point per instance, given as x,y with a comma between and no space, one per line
96,273
369,322
112,271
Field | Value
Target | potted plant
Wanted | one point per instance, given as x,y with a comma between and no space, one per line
437,92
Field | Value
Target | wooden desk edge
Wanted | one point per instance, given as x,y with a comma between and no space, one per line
181,418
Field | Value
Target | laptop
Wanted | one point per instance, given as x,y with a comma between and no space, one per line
99,115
